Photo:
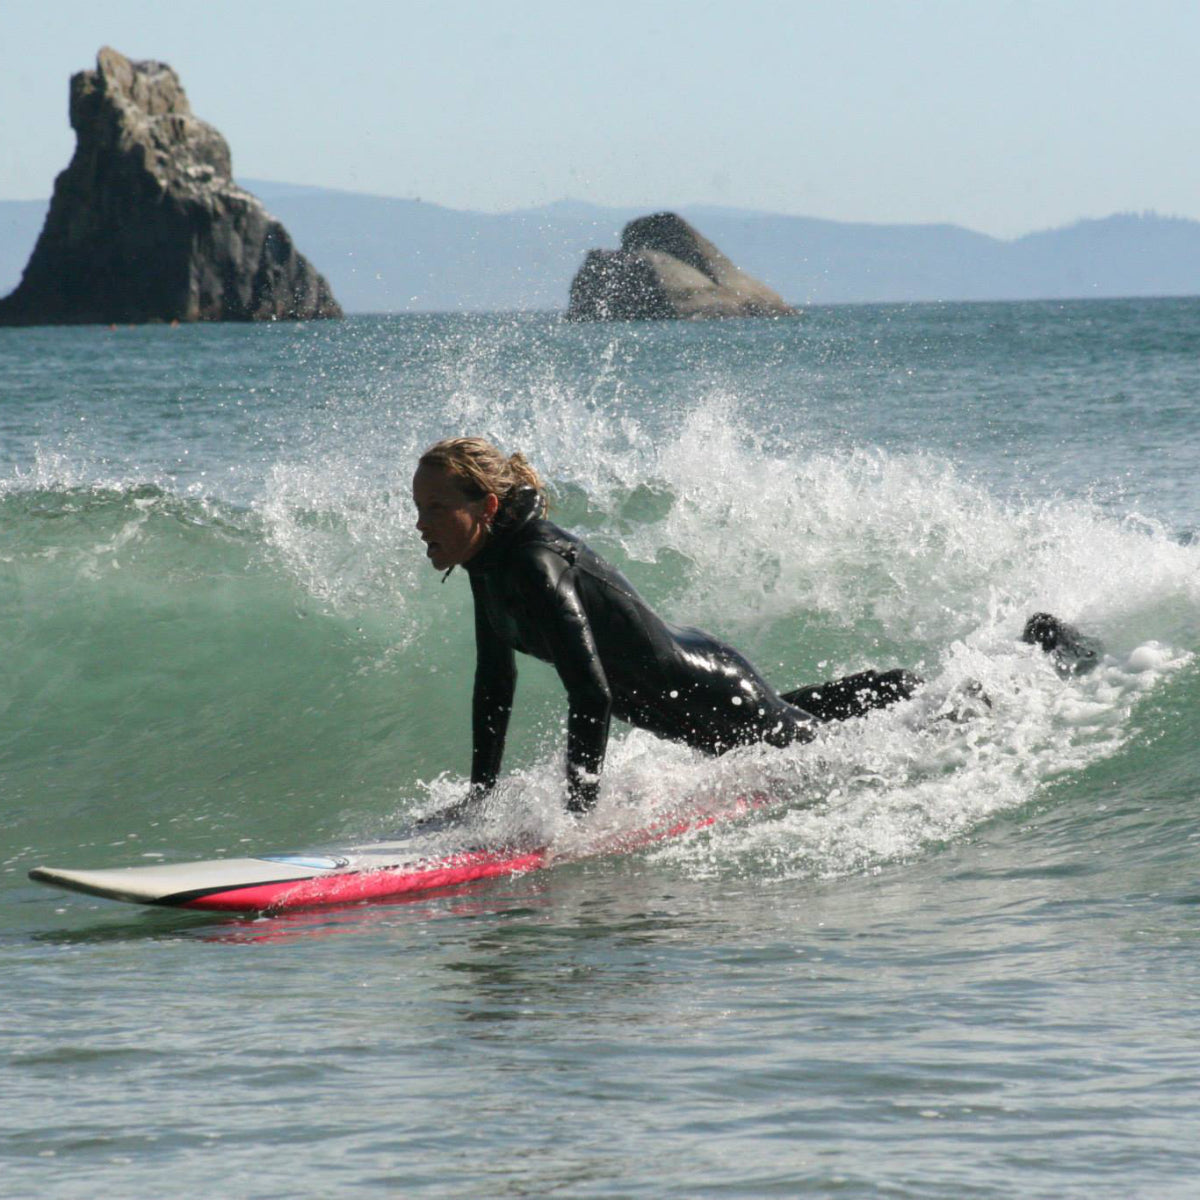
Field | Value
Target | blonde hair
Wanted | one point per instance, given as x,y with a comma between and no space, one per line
479,468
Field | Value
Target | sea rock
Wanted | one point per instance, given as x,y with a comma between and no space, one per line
146,223
666,269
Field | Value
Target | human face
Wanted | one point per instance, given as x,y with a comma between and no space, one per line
452,526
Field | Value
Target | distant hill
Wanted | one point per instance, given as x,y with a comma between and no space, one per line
382,254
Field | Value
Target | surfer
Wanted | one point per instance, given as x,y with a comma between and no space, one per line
540,590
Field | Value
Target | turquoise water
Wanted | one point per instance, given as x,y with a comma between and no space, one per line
959,958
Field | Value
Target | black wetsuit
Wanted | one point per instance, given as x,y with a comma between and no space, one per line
542,591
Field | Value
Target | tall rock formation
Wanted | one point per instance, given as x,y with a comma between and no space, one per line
146,223
665,269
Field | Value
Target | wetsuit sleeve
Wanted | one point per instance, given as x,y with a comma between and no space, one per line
550,591
491,703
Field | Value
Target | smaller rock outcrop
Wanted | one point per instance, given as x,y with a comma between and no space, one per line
667,270
146,223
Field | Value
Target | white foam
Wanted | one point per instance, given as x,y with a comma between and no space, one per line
1150,657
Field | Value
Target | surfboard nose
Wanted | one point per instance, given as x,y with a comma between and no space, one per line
166,883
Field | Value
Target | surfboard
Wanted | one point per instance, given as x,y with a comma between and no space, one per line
412,866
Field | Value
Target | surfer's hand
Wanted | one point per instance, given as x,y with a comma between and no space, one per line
454,814
582,794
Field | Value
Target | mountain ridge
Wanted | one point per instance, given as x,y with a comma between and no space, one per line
393,254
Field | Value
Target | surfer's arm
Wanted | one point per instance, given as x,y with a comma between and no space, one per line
550,592
491,703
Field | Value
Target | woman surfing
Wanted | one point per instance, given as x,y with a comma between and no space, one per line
540,590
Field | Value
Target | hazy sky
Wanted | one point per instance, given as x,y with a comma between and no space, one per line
1000,115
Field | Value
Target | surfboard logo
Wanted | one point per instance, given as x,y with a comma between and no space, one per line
313,862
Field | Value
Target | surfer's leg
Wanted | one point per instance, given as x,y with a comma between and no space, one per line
1072,652
711,697
854,695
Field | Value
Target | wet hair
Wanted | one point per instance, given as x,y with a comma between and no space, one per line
479,468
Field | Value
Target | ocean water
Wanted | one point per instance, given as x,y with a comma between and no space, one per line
960,957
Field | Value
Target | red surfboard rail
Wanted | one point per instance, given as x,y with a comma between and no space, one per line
353,887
